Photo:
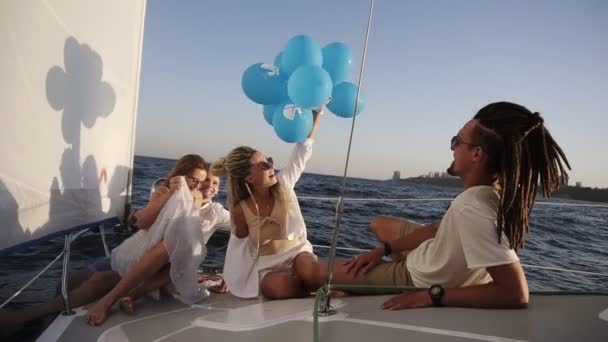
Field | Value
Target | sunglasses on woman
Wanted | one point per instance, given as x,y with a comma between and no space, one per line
266,165
194,183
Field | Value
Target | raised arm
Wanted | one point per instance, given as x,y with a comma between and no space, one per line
290,174
316,115
144,218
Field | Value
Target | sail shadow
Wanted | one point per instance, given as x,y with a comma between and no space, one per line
9,212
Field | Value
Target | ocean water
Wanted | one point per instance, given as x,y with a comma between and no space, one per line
560,236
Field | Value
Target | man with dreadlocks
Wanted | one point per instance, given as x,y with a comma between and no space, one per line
469,258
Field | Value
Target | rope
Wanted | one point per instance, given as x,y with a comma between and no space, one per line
74,237
343,248
437,199
340,204
524,265
32,280
566,270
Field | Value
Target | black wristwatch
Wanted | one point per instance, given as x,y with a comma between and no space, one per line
387,249
436,292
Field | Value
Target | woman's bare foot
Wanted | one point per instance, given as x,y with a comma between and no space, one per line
99,313
219,286
127,305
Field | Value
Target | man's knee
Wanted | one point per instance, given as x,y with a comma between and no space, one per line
375,224
384,220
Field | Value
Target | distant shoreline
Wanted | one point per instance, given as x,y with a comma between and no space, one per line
570,192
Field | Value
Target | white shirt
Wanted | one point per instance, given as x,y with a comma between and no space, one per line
215,217
465,244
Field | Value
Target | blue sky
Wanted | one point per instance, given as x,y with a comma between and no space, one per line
430,66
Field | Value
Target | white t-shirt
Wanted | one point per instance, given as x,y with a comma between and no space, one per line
215,217
465,244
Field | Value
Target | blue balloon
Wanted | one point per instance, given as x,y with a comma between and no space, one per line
309,86
337,61
277,60
291,123
262,84
269,111
300,50
343,100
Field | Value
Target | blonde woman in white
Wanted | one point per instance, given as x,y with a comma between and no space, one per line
268,233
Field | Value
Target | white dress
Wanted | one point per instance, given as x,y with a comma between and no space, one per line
184,232
243,268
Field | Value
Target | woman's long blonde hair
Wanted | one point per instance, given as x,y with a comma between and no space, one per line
236,165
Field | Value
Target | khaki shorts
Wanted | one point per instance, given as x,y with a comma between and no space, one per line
393,273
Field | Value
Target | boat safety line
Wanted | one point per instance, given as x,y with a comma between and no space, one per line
438,199
32,280
524,265
343,248
357,199
566,270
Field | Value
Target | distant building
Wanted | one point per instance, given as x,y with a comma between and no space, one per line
435,174
579,184
396,175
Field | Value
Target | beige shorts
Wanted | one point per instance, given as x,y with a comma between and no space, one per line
393,273
282,262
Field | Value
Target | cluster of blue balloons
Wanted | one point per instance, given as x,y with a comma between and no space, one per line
303,77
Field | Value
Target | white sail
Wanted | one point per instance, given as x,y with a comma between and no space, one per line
69,76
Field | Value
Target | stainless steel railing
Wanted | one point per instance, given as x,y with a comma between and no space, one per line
65,253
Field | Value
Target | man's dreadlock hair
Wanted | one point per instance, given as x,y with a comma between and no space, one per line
522,153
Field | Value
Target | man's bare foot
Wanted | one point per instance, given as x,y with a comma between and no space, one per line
99,313
127,305
337,293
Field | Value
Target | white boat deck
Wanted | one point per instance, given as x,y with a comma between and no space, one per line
226,318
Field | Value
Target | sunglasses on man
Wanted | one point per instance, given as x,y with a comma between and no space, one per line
456,140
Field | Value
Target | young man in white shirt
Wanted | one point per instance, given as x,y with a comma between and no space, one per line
469,258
